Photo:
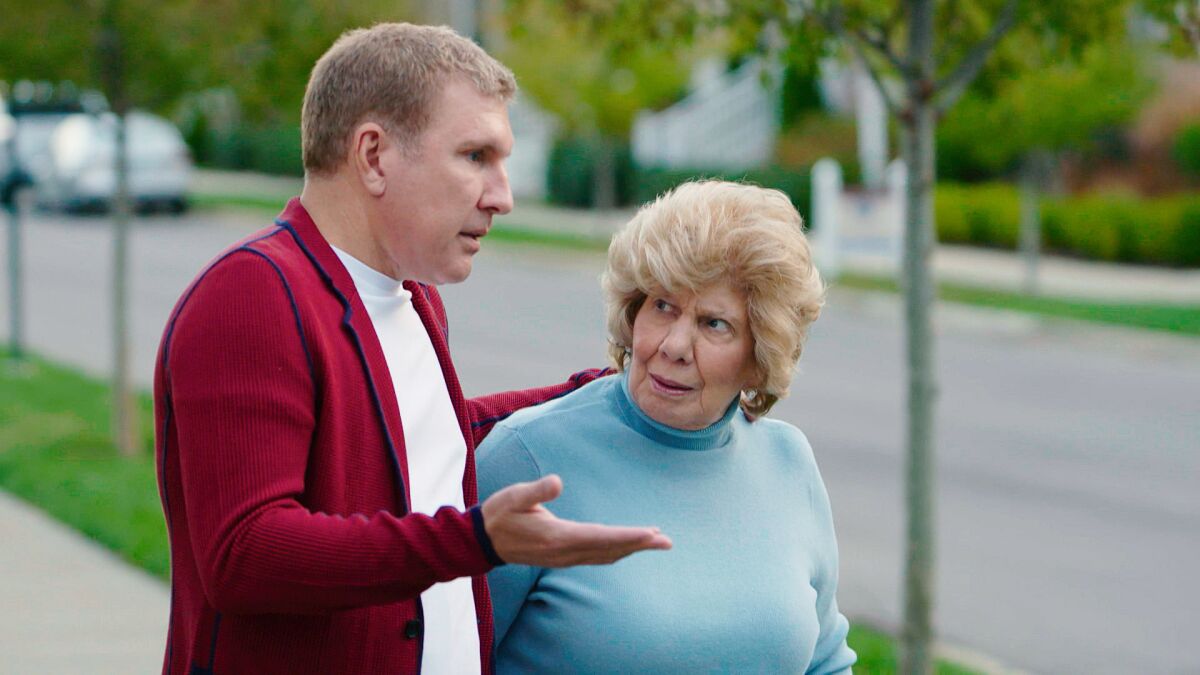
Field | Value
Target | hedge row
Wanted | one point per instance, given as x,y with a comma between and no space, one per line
269,149
797,186
1114,228
569,178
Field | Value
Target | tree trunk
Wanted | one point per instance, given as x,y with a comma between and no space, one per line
604,177
919,292
16,308
1033,173
124,420
124,413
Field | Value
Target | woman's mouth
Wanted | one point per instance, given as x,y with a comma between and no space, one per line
669,387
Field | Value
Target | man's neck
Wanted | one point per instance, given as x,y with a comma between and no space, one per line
339,212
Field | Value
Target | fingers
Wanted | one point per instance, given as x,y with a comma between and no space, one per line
592,544
523,532
525,496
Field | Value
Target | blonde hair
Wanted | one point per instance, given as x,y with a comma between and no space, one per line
391,73
707,232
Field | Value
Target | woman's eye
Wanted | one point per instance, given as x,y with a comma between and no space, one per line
720,325
662,305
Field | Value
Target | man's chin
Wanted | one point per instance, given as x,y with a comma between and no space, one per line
457,275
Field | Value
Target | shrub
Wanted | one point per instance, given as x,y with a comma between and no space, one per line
983,215
268,149
571,170
1186,149
1113,228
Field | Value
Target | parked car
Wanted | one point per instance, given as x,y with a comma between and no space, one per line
27,124
83,173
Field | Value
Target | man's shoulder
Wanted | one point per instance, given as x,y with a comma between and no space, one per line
271,251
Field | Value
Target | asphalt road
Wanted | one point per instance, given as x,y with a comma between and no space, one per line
1069,455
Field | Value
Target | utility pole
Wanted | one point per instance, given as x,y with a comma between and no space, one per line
10,186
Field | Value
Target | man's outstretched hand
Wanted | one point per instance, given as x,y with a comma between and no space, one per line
526,533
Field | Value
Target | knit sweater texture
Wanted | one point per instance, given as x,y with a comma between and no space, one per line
750,583
283,476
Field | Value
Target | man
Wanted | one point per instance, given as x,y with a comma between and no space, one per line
315,449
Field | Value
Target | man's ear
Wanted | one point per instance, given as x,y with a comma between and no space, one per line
366,152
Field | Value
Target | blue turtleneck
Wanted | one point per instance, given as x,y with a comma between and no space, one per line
749,585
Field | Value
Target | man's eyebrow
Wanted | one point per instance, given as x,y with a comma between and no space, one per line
486,146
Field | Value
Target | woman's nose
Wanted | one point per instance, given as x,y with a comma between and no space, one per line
677,344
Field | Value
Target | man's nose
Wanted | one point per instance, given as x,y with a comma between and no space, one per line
497,195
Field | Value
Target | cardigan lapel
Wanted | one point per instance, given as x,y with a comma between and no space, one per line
357,323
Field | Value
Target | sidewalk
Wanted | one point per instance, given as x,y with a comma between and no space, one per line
71,605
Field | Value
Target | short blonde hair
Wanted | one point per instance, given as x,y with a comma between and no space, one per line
391,73
707,232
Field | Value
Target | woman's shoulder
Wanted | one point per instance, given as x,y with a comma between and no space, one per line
785,441
564,410
541,439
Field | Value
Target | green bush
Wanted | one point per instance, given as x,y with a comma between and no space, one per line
1113,228
795,184
987,214
268,149
570,173
1186,149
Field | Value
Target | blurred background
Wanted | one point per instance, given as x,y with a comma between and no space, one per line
1061,485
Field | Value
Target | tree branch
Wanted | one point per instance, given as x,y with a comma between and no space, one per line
889,101
880,44
955,84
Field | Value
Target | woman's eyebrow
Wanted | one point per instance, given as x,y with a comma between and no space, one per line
710,312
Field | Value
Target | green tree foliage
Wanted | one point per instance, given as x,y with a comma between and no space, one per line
591,86
1054,106
58,40
1182,17
264,51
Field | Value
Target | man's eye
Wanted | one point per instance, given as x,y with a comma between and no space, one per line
475,155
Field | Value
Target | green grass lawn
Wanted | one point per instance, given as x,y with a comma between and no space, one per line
55,453
1183,319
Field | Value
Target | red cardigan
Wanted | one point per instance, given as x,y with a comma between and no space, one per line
283,476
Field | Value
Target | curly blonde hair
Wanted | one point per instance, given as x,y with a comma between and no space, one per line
707,232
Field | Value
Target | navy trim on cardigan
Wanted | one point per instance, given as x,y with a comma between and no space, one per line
444,325
485,541
295,310
212,651
362,357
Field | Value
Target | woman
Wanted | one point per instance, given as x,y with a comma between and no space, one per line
709,293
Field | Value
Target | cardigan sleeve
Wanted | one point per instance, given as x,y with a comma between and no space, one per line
486,411
241,398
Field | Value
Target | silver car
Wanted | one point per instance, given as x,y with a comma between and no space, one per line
82,173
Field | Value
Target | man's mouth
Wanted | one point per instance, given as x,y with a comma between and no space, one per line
669,387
